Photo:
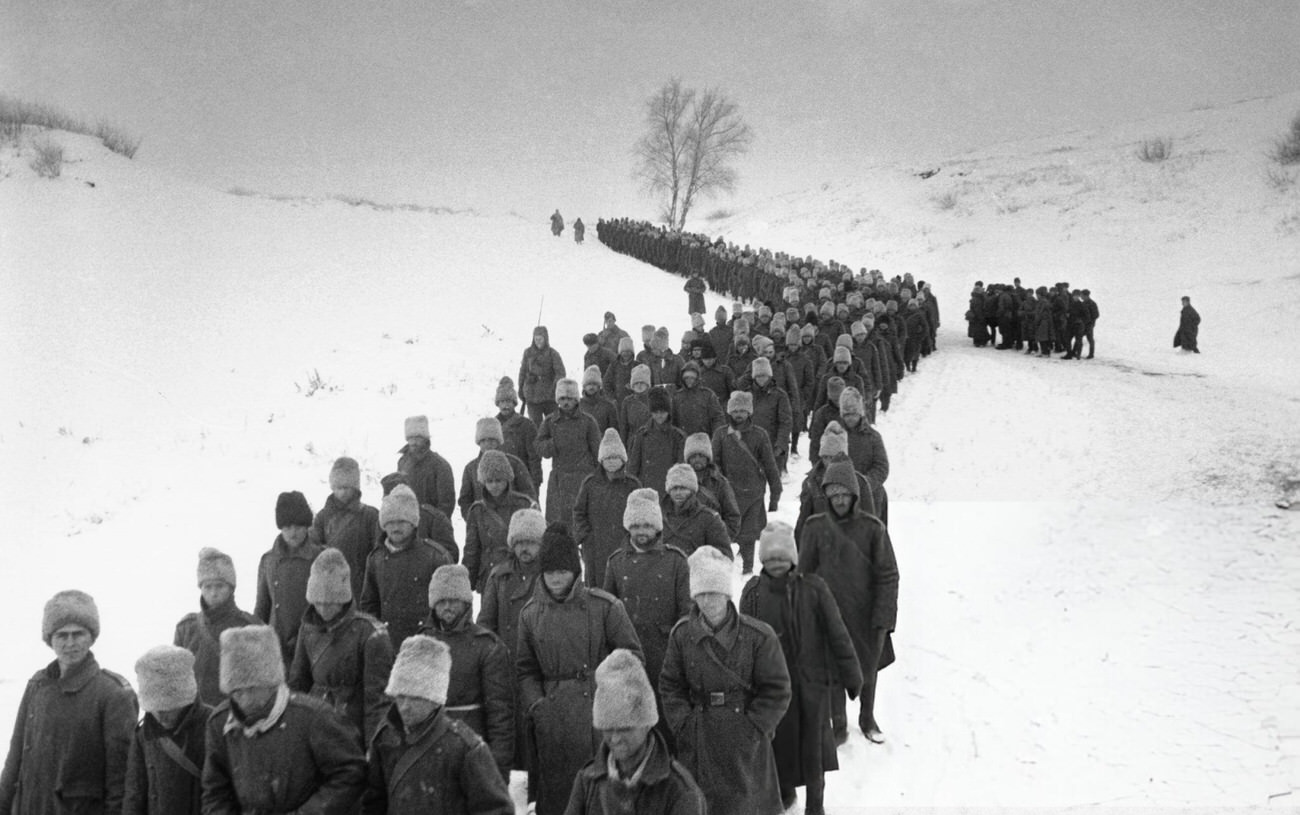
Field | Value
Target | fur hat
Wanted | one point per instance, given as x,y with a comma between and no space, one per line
611,444
346,472
710,571
400,505
681,475
250,658
736,308
567,387
422,669
792,338
590,338
809,331
330,580
392,480
488,427
659,400
761,366
647,333
450,582
494,465
215,565
292,509
659,342
506,391
526,524
762,344
624,697
164,676
720,315
641,373
591,376
777,540
698,444
643,508
697,321
417,427
842,474
851,402
559,552
70,607
844,341
834,441
858,329
691,367
741,400
841,355
835,387
609,317
625,344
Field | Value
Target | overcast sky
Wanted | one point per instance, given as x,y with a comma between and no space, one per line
532,105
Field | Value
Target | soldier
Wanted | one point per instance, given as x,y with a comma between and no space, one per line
617,380
200,632
489,437
695,289
687,523
579,231
744,455
343,655
812,501
345,523
772,410
434,524
656,445
270,750
518,433
570,439
398,573
696,409
725,688
565,630
610,334
423,759
1189,326
557,223
480,693
282,572
818,653
427,473
488,523
1091,322
72,734
1077,317
867,451
715,490
597,356
634,770
598,509
595,403
164,768
540,370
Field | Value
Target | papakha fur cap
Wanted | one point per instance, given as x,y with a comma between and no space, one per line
494,465
741,400
681,475
70,607
506,391
642,507
346,472
526,524
834,441
165,678
698,444
250,658
591,376
611,444
422,669
488,427
400,505
450,582
330,580
215,565
624,697
569,388
710,571
777,540
417,427
851,402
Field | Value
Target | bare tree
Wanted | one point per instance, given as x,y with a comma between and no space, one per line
690,142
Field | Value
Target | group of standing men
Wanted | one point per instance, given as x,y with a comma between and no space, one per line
1037,321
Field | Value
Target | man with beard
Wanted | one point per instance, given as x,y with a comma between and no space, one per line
427,473
744,454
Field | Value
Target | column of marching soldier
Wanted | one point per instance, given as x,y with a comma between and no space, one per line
608,660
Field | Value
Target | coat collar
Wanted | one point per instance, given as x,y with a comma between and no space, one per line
725,636
79,677
234,725
656,767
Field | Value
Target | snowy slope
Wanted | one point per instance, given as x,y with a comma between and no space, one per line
1098,599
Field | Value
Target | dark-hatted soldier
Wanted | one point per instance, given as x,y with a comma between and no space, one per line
617,380
656,445
282,572
1091,323
696,409
164,771
200,632
1189,327
540,370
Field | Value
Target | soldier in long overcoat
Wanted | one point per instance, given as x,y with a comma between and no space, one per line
744,454
715,490
282,572
489,437
427,473
818,655
656,445
518,433
571,440
164,769
688,523
200,632
852,552
488,522
539,370
867,451
695,288
696,409
565,630
598,509
346,523
812,500
725,687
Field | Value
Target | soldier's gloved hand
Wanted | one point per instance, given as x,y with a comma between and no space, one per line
852,692
772,505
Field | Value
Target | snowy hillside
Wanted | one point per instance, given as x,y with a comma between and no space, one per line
1098,598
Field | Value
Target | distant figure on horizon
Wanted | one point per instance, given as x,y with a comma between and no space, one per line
578,229
1189,325
557,223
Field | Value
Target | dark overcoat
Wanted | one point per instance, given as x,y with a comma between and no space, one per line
487,528
200,634
654,585
158,784
397,586
429,476
282,589
693,525
598,519
351,528
345,663
508,589
570,439
471,489
664,787
652,451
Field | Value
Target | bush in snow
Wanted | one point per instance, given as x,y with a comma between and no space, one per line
48,161
1154,151
15,113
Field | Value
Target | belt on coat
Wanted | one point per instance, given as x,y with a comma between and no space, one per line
580,675
721,698
462,708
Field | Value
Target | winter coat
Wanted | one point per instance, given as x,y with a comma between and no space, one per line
653,450
1189,326
716,494
351,528
609,337
855,557
693,525
481,692
695,289
851,378
345,663
306,761
571,441
918,333
520,441
444,768
744,455
634,412
557,223
471,489
976,328
721,338
282,589
602,409
539,370
818,653
486,530
803,369
598,519
697,410
429,477
156,784
817,425
598,355
867,450
397,586
561,641
654,586
664,787
772,412
812,499
508,589
871,365
618,377
1043,322
665,368
200,634
435,526
723,695
70,742
720,379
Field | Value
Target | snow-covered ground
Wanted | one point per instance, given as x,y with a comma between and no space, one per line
1098,602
